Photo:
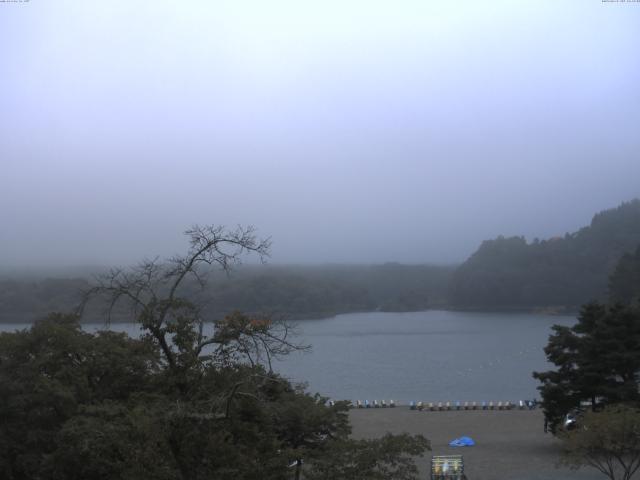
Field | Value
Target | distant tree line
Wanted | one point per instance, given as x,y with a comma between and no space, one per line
558,274
27,299
296,292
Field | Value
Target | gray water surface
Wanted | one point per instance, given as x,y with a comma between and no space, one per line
428,356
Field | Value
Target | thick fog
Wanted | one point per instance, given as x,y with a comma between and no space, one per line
362,131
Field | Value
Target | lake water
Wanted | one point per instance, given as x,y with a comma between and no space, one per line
428,356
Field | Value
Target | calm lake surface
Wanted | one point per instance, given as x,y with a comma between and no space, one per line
428,356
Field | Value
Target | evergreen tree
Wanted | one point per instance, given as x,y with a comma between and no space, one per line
624,284
597,360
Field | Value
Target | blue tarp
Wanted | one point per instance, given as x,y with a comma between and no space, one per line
462,442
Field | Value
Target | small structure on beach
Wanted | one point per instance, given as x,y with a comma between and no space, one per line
447,467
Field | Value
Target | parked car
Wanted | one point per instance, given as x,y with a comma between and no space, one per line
571,419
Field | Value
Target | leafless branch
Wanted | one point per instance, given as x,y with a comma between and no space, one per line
151,289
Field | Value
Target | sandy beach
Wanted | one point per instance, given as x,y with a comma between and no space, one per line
509,444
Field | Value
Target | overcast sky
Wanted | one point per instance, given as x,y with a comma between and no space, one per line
348,131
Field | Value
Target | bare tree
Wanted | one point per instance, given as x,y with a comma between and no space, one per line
154,294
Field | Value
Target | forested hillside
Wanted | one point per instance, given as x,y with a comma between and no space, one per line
624,284
563,271
504,273
25,299
292,291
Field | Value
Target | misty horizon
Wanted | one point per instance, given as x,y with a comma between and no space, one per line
361,134
252,261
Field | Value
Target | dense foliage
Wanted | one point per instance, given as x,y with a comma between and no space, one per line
564,271
75,405
390,457
79,406
178,403
597,360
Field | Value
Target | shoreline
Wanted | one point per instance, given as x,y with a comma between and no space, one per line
551,311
